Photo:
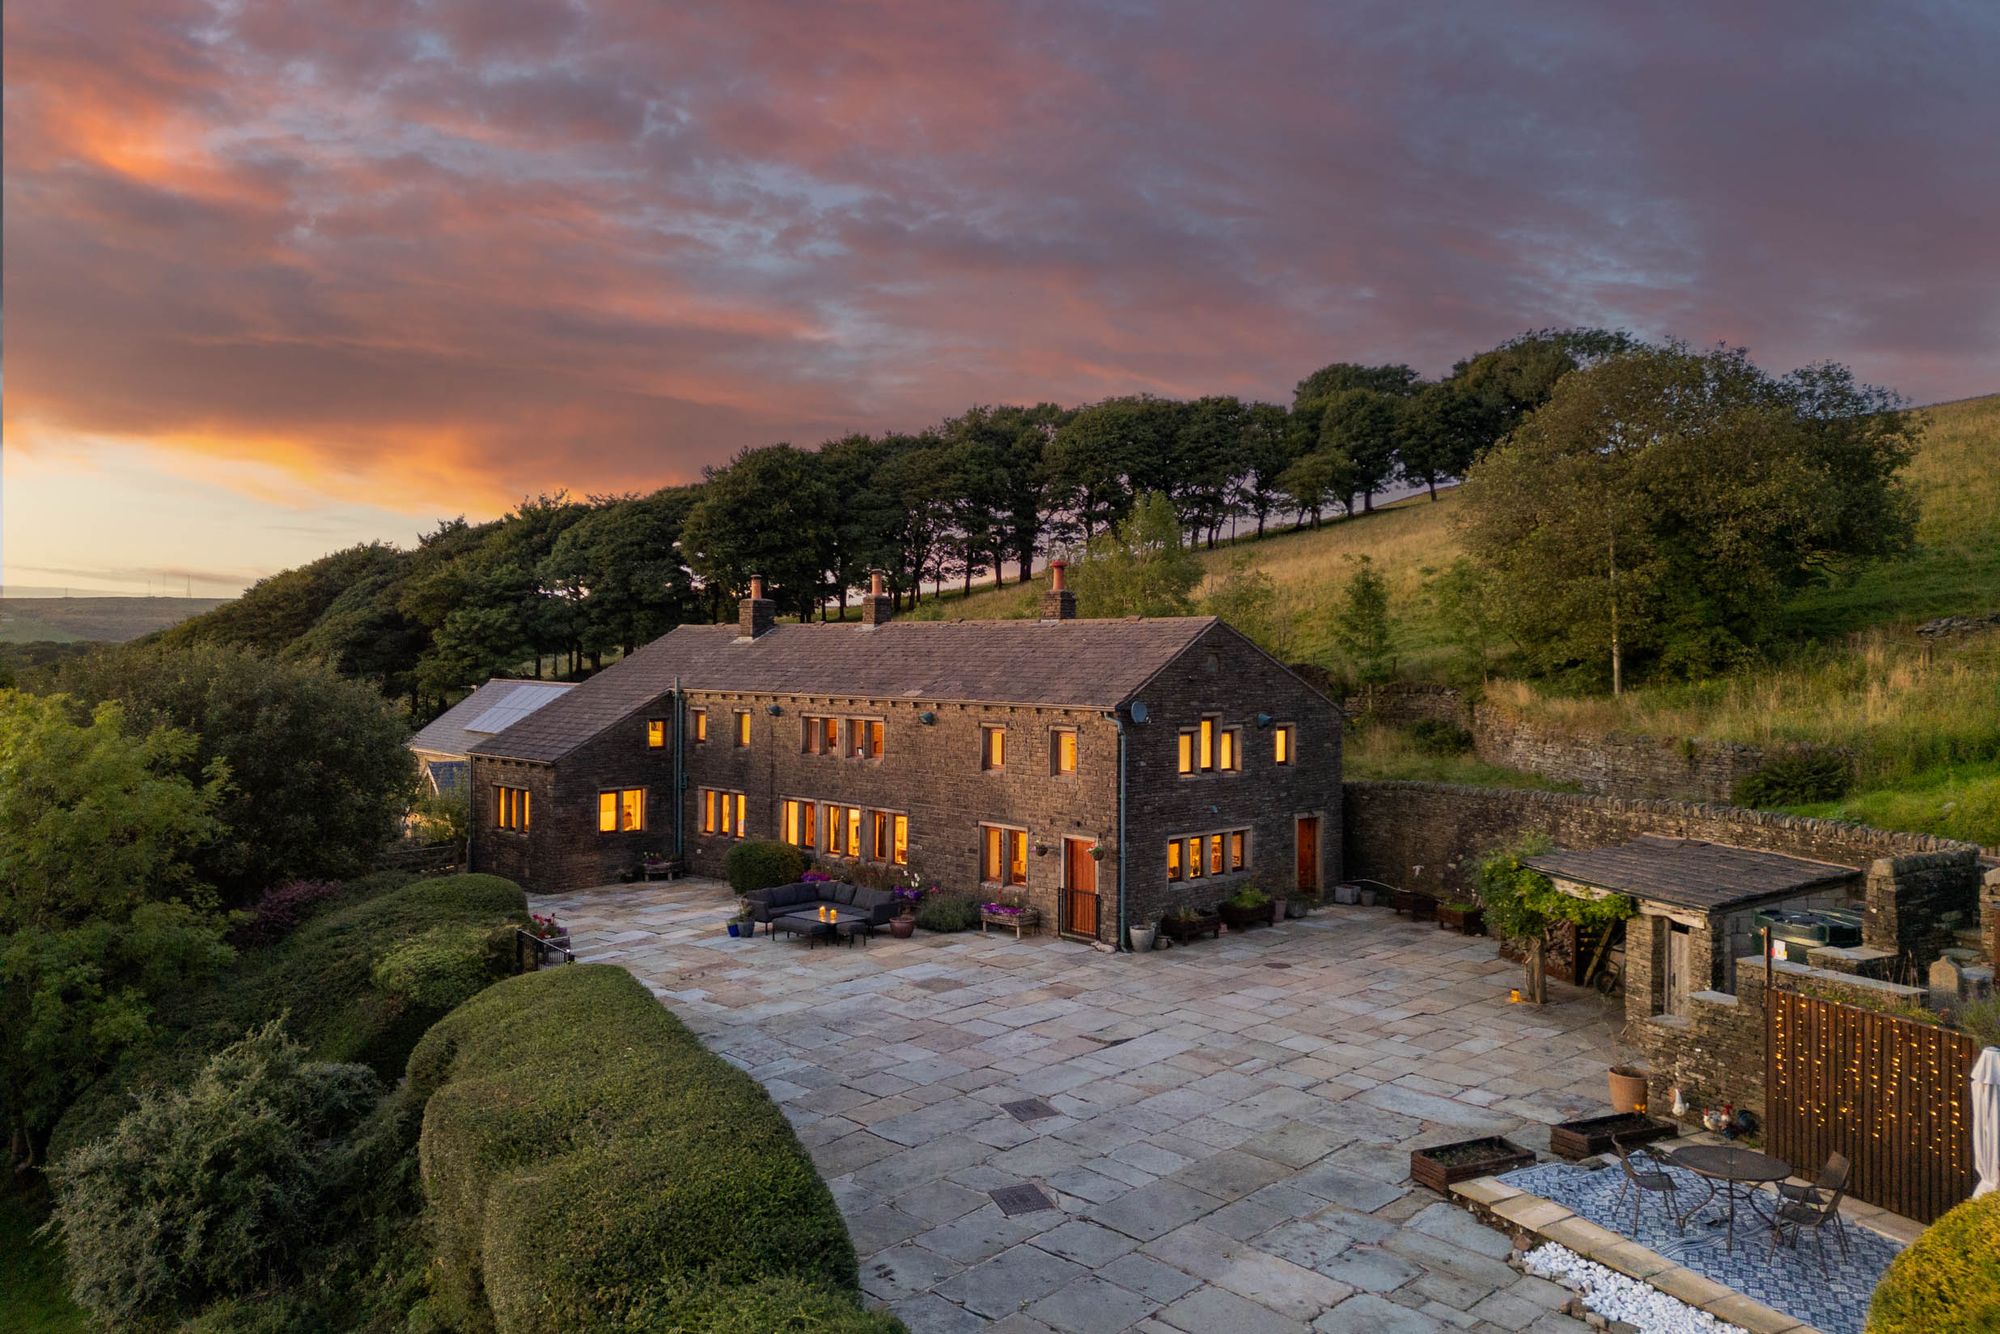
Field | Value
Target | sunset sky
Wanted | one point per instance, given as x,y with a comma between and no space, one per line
284,277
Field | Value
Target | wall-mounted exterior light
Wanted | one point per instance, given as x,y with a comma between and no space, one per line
773,710
927,717
1264,720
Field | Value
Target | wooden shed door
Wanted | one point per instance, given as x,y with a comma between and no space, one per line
1308,841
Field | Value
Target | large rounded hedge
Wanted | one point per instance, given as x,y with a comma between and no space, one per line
1948,1280
587,1163
759,863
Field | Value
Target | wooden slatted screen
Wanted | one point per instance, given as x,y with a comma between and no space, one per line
1889,1093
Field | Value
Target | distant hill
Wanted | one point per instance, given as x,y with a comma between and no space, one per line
108,620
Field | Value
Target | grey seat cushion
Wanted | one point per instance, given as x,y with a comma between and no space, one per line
880,903
839,893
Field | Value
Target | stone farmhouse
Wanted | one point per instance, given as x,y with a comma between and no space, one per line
1103,771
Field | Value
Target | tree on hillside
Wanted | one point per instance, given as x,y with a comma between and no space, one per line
623,560
1247,599
276,612
1462,597
1267,452
101,913
1440,430
1209,459
318,776
768,513
1362,425
913,481
1664,503
1106,455
1140,569
1362,627
1342,376
1512,380
1315,479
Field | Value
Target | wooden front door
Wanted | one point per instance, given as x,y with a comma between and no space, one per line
1079,907
1308,841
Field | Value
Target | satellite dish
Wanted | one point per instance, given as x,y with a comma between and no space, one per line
1139,711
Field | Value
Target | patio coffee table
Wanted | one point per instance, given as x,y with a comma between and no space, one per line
1726,1168
810,925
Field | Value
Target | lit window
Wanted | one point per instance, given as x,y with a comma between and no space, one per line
1062,750
993,748
1281,744
1236,842
843,831
1187,753
1215,854
709,819
900,847
700,717
1174,860
869,746
511,808
1004,855
1205,751
742,728
656,733
742,814
620,810
829,739
722,812
1194,858
1227,749
801,823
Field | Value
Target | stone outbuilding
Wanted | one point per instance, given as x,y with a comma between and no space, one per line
444,745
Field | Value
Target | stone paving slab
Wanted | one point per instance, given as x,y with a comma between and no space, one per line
1231,1144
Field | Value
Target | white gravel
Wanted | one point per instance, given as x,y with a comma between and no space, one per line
1616,1297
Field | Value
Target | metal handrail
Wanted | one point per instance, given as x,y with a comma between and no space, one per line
543,949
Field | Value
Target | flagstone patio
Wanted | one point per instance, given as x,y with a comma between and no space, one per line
1221,1131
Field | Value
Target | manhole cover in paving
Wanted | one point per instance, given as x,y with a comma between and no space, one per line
1029,1109
1021,1199
1277,965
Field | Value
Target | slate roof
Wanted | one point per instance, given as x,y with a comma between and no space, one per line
459,728
1687,873
1096,664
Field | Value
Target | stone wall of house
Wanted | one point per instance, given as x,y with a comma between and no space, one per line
1227,677
510,853
1989,914
1428,836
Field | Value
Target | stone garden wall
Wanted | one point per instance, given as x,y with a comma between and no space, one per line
1427,836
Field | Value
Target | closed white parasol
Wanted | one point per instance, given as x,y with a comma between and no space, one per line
1986,1120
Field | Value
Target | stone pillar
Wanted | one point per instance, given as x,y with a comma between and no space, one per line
1989,915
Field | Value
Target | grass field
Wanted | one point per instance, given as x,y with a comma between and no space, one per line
32,1297
103,620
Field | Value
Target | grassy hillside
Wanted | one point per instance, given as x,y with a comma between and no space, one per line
1956,568
102,620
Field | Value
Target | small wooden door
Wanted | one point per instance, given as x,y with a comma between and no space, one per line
1678,940
1308,843
1079,909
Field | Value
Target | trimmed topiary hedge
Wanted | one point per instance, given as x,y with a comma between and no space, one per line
588,1164
1948,1279
759,863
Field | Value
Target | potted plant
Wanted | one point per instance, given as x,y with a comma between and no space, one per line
1184,924
1279,907
1461,915
1628,1089
908,898
1143,938
1247,907
1367,896
1301,903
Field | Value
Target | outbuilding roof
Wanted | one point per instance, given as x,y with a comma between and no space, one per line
1688,873
488,711
1096,664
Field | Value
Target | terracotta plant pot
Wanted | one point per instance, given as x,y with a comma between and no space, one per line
1628,1089
902,928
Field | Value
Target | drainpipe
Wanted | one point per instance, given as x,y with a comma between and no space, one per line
1119,723
680,777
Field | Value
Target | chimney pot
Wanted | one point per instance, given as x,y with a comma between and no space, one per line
1056,568
878,608
1058,603
756,585
755,614
875,583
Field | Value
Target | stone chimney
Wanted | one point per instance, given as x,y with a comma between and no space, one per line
756,613
878,607
1058,604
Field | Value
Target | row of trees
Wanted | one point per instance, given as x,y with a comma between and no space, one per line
561,583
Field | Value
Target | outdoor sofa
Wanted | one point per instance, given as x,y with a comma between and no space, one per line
768,905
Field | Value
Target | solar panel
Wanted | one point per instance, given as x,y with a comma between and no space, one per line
521,701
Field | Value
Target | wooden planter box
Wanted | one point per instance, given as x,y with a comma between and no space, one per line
1467,921
1421,907
1447,1164
1592,1134
1026,922
1242,919
1181,932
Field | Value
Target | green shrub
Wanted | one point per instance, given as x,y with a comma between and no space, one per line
322,978
445,966
947,912
1793,780
759,863
1949,1278
762,1307
211,1190
1249,896
1435,736
585,1159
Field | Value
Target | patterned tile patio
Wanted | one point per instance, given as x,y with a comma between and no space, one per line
1229,1148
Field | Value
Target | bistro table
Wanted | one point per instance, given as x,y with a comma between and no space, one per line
1733,1171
